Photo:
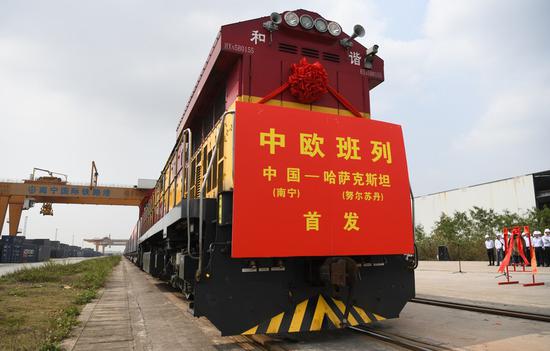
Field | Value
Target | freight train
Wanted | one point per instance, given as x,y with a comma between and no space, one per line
283,207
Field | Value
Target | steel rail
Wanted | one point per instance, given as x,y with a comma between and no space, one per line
403,342
264,342
483,309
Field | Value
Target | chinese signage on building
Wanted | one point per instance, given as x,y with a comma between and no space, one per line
316,184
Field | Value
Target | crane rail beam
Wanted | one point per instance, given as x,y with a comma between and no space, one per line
14,194
74,194
106,241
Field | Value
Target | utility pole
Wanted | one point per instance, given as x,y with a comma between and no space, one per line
73,240
55,234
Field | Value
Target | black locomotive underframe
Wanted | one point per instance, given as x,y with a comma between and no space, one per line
238,294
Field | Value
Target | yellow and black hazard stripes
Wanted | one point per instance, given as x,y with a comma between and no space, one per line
316,313
356,314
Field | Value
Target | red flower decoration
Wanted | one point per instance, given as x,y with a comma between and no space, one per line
307,81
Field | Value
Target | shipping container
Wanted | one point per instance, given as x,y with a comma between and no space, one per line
44,249
73,251
63,251
12,249
29,252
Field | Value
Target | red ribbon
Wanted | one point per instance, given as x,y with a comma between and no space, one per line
509,248
274,93
521,249
506,258
344,101
307,83
533,260
531,250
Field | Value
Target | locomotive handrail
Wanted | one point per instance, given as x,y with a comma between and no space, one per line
413,214
188,168
203,185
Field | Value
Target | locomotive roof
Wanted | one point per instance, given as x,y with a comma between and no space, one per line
219,60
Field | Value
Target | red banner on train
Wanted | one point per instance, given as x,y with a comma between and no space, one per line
316,184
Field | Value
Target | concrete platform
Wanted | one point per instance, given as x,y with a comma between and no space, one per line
137,312
479,284
464,330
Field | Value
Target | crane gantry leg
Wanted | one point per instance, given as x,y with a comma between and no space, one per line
15,204
16,207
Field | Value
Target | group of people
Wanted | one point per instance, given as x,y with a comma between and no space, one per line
541,244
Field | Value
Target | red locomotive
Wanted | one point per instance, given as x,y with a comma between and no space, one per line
283,206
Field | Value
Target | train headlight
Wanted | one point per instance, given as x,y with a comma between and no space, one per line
321,25
292,19
334,29
306,21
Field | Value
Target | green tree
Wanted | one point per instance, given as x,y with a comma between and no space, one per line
538,219
465,232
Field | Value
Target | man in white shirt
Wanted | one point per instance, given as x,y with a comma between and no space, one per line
537,244
490,246
546,243
527,247
499,245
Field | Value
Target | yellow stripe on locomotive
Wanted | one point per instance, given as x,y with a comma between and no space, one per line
314,314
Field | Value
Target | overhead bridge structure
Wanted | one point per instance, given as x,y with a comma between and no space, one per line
19,196
106,241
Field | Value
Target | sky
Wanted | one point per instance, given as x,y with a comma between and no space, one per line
469,81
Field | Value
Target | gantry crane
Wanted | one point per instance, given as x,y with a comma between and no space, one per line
55,188
106,241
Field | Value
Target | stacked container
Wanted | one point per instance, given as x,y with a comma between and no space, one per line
44,249
12,249
17,249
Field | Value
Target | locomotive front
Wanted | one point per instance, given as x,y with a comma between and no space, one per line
295,209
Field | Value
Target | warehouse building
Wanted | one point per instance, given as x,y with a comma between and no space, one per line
517,194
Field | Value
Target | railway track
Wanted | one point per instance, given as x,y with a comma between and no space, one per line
267,343
483,309
263,342
398,340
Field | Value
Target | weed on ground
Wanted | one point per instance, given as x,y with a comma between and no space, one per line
39,306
